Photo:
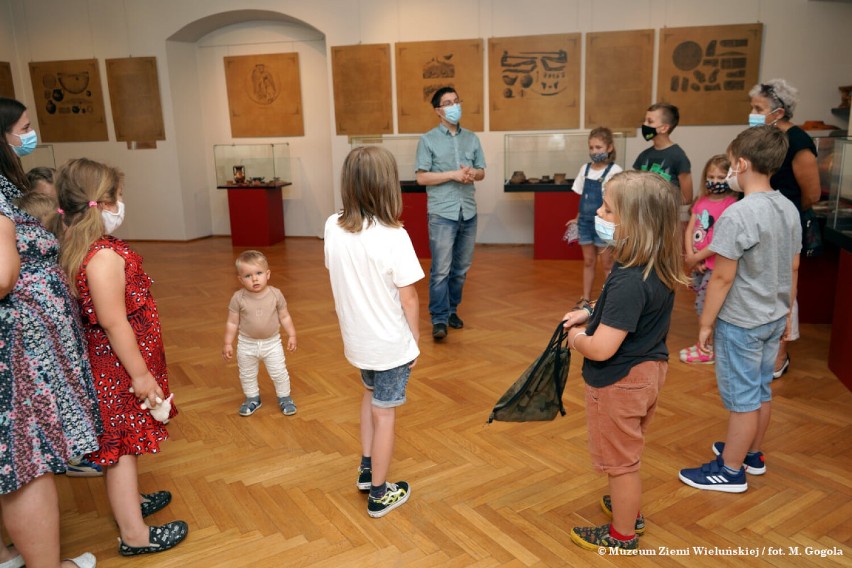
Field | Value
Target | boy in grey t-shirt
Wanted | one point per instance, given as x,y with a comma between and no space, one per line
749,299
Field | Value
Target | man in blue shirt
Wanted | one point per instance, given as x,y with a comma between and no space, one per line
449,160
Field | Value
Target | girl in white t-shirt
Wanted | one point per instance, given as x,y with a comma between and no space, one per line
589,184
373,268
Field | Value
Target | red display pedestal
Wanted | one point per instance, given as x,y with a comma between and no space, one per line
840,346
554,205
415,217
816,286
257,215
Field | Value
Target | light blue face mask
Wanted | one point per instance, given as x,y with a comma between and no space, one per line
605,230
598,158
757,119
453,113
29,141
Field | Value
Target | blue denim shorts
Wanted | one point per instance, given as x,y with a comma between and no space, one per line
745,360
588,235
388,386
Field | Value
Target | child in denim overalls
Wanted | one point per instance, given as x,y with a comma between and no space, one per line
589,184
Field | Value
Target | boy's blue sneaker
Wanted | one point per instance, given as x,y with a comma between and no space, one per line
395,495
78,467
754,464
713,477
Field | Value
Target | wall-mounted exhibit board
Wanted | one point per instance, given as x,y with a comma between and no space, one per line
707,71
134,95
69,100
264,95
362,89
423,67
619,78
534,82
7,86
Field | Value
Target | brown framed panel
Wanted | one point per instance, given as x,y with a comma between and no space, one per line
707,71
423,67
534,82
134,94
264,95
619,78
362,89
7,86
69,101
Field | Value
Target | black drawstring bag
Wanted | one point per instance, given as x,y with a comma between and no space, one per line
537,394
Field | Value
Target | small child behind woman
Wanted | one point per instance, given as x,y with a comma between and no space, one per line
714,199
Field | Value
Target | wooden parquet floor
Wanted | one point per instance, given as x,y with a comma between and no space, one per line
272,490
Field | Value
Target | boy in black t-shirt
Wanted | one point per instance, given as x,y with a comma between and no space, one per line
665,157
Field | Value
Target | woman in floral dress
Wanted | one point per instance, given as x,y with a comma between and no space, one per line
48,407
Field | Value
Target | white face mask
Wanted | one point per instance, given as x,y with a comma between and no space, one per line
112,221
733,183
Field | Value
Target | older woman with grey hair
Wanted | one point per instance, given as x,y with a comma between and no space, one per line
773,102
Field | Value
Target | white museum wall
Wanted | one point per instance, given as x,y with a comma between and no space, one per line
171,190
308,202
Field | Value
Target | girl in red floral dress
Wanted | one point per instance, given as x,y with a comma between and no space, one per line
122,326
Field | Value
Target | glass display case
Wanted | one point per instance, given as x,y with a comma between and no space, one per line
839,206
42,156
248,166
403,148
549,161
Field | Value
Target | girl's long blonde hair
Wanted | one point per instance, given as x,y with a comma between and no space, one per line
648,231
81,185
369,188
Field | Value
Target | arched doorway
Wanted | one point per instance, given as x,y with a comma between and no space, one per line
200,105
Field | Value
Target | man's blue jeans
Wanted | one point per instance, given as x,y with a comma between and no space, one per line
452,244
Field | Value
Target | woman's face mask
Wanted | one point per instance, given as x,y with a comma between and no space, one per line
29,141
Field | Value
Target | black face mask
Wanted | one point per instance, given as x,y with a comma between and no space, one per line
717,186
648,132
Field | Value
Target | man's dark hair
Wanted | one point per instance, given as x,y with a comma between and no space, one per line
436,98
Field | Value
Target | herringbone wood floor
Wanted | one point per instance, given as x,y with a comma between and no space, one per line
272,490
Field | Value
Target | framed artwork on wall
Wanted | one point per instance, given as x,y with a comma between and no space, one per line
707,71
264,95
362,89
7,86
423,67
134,94
69,101
619,78
534,82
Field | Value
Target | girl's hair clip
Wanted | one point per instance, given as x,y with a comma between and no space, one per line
60,210
93,203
